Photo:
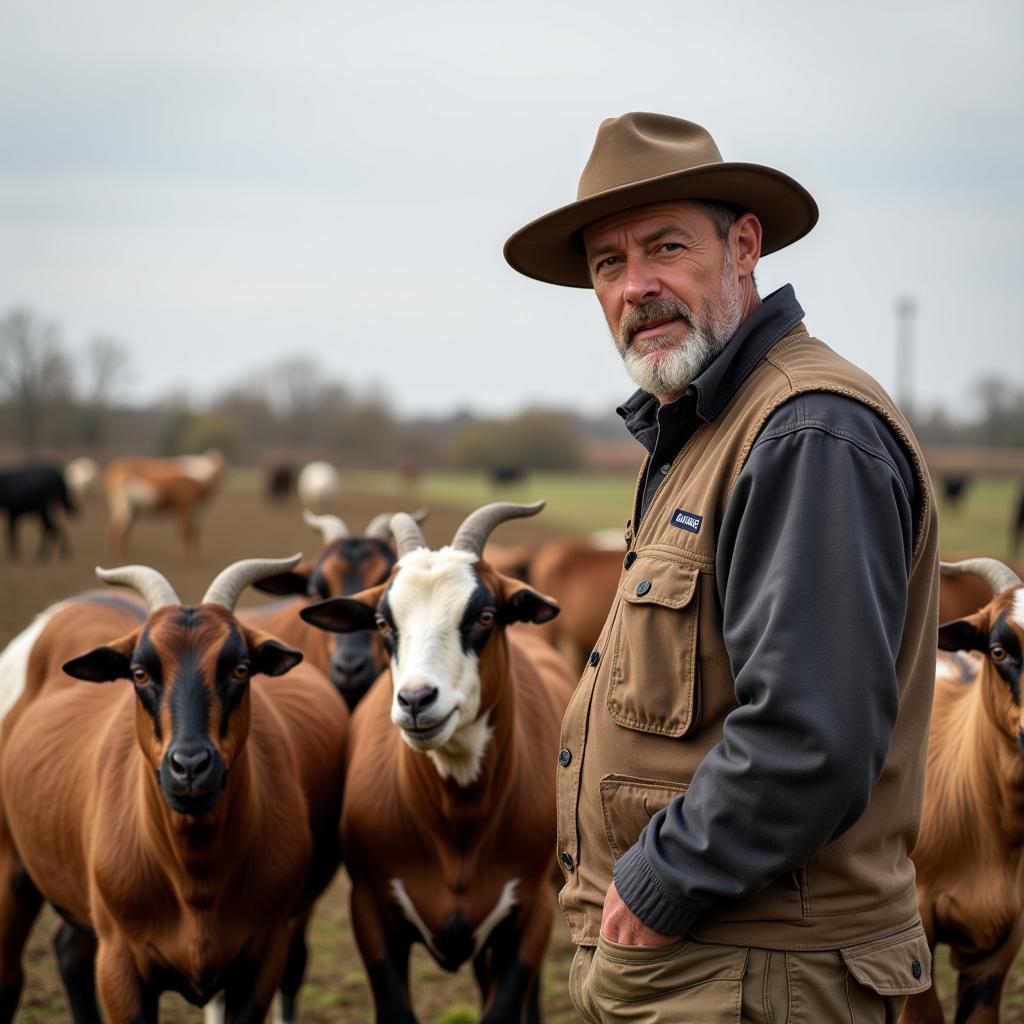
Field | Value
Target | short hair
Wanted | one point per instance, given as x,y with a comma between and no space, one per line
722,215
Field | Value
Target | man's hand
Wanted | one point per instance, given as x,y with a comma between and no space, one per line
621,925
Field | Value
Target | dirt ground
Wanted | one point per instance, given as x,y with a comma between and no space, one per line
240,525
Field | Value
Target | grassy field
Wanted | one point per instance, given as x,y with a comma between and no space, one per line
240,524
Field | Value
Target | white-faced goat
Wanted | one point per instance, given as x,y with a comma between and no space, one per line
449,819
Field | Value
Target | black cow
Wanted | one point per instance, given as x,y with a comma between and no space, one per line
34,490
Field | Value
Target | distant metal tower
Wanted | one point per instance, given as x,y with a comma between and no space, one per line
906,311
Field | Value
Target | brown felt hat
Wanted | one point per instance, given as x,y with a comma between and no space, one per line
648,158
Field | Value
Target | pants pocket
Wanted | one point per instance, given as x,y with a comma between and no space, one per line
687,981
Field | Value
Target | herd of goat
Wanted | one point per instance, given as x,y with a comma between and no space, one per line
183,819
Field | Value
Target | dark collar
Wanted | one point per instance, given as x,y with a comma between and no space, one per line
708,395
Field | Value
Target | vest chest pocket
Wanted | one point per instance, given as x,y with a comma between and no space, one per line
653,684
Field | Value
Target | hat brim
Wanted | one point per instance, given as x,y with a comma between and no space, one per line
547,249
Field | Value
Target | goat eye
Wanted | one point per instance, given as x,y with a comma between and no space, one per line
486,617
240,672
998,653
139,675
382,624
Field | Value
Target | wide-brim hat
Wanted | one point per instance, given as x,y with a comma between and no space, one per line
644,158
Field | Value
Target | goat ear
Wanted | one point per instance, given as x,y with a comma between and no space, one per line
341,615
964,635
296,581
272,658
104,664
521,603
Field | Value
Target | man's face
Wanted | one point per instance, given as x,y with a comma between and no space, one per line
667,285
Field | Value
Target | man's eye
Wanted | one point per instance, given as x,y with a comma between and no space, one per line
607,263
672,246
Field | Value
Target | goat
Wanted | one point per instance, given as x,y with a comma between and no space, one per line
582,578
179,822
177,485
318,484
449,819
970,853
345,565
80,475
35,490
279,481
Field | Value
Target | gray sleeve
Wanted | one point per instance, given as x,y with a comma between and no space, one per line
813,560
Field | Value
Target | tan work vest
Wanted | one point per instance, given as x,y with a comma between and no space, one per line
634,743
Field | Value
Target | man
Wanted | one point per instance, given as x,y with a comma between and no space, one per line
743,760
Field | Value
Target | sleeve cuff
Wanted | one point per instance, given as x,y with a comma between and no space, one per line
644,894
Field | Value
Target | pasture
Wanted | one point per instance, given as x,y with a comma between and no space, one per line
239,524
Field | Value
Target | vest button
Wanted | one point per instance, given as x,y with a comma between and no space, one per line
567,861
643,587
564,757
595,657
629,559
664,469
915,968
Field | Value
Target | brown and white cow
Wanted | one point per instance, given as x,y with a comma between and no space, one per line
173,486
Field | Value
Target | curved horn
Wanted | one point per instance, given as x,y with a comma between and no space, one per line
477,526
148,582
379,527
329,527
407,533
230,582
997,575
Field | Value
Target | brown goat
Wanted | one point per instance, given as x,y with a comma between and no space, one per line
180,819
177,486
449,818
344,565
970,854
582,578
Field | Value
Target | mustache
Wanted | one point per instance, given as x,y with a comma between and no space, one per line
636,318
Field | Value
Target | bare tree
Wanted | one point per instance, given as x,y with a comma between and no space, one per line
106,368
33,370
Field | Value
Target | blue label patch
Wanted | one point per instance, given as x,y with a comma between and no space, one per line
686,520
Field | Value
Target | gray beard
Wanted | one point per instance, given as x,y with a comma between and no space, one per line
672,373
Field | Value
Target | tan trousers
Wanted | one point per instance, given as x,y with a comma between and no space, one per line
703,984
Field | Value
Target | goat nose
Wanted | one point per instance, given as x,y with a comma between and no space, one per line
349,665
189,763
415,700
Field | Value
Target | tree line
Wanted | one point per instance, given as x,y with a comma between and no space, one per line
53,403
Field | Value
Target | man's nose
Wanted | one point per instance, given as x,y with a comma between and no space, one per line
640,284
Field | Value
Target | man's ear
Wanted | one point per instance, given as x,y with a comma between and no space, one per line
295,581
346,614
105,664
745,236
520,603
970,634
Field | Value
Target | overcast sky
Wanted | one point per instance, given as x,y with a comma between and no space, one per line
222,185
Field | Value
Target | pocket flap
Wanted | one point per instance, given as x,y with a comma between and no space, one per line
629,803
654,580
897,965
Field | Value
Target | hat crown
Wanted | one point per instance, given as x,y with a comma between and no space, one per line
639,146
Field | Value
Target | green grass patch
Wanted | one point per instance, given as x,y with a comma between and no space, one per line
460,1013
